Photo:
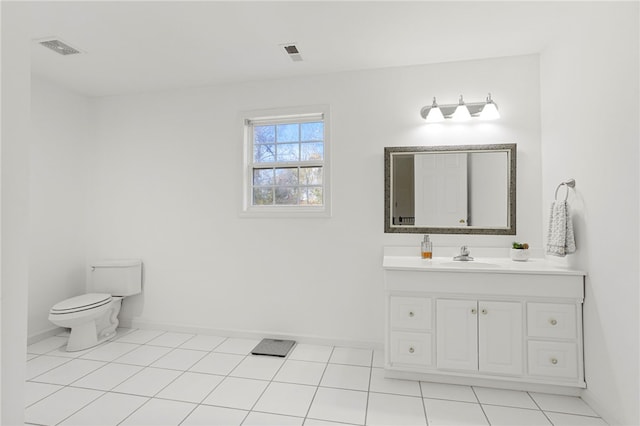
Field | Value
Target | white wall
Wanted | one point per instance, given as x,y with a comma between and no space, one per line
589,87
15,208
61,130
164,185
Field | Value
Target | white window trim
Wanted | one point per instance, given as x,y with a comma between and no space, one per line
293,113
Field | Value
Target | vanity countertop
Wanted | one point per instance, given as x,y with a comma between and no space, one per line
480,264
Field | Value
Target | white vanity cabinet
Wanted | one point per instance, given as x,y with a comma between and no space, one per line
479,335
504,323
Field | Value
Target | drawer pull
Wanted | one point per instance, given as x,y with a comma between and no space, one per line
553,321
411,314
411,350
554,361
484,312
474,311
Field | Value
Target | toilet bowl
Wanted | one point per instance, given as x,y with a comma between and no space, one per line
93,317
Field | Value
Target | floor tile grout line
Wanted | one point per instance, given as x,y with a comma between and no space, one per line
134,411
366,407
52,368
313,398
67,384
539,408
44,397
163,388
97,369
224,378
178,369
490,404
571,414
219,383
481,407
83,407
424,405
265,389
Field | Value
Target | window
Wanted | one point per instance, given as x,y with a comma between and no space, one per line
286,163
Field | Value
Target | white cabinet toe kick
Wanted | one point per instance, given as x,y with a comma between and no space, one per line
502,328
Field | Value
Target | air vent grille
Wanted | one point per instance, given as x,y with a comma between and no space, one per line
59,47
293,51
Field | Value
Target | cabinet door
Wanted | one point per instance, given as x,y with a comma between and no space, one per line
500,337
457,334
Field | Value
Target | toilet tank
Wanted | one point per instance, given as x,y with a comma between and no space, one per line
121,277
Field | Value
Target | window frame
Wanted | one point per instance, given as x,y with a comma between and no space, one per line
283,116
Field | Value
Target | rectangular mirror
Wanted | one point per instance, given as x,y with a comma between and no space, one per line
462,189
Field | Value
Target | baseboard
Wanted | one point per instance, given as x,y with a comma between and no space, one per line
250,334
605,412
41,335
504,383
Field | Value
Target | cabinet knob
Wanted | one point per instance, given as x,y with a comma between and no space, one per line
411,314
474,311
484,312
411,350
553,321
554,361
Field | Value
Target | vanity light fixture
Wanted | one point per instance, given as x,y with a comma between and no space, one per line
434,113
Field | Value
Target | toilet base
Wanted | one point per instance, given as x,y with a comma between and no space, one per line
84,336
92,333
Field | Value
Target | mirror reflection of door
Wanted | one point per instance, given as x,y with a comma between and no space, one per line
403,190
441,189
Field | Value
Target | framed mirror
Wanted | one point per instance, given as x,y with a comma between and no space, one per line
461,189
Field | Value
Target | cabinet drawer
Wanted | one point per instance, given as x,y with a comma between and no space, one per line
410,348
553,359
551,320
412,313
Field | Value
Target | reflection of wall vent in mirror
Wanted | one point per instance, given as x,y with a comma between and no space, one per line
59,46
292,51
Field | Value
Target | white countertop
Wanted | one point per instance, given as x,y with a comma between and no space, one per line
493,265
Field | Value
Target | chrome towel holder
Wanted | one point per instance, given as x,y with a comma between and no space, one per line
569,183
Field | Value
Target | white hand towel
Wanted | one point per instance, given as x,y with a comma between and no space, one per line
560,239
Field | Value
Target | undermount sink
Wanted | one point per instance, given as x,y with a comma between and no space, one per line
468,264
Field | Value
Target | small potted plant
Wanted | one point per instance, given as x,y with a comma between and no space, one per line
520,252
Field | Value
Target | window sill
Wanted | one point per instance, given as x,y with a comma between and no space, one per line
286,212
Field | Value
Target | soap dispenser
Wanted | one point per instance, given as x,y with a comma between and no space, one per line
426,248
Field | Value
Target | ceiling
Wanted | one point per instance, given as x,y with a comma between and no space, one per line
133,47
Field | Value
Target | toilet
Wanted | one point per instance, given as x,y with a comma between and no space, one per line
93,317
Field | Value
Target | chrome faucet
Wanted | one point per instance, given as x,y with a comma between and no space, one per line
464,255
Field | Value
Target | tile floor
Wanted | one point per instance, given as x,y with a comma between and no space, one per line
150,377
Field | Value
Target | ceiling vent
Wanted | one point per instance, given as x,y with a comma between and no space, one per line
59,46
292,51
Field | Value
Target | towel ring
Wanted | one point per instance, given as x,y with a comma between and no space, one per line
571,183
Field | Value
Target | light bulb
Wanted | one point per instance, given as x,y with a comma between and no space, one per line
434,115
490,110
462,112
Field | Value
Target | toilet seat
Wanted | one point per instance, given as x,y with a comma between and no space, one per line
81,303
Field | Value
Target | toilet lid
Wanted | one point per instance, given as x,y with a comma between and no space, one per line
81,303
